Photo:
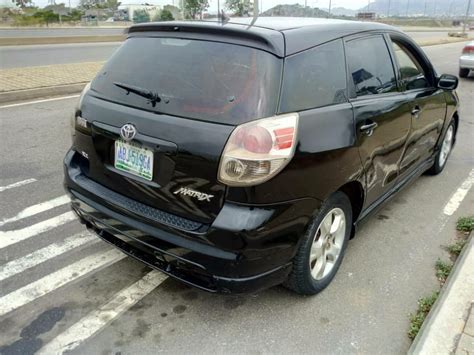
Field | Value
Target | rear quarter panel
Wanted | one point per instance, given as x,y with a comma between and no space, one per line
325,159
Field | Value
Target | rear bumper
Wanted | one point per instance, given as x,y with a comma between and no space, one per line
246,249
466,62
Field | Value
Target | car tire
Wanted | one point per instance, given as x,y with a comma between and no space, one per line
463,72
327,236
445,150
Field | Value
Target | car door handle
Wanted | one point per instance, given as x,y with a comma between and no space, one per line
416,111
368,128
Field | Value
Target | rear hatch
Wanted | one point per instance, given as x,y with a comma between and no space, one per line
183,97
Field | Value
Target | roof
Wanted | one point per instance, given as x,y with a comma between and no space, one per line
281,36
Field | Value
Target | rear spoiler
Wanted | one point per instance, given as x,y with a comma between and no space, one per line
251,36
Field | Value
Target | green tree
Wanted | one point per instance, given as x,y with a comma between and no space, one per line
166,15
238,7
22,3
46,16
111,4
195,7
175,11
92,4
75,15
141,15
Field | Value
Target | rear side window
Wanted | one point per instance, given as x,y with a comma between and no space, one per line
314,78
370,66
212,81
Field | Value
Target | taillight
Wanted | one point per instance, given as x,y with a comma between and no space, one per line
468,50
257,151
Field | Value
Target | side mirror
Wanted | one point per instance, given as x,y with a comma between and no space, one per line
448,82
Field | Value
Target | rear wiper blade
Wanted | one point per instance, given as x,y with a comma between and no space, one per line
152,97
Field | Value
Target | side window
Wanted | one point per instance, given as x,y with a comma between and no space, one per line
370,66
314,78
411,71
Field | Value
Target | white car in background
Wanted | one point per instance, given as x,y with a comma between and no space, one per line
466,62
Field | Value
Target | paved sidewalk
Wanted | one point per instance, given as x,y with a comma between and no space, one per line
47,76
466,341
449,327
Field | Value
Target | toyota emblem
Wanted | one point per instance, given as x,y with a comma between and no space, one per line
128,132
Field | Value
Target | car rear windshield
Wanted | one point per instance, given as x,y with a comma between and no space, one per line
212,81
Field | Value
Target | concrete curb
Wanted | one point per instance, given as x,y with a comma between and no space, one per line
20,95
442,328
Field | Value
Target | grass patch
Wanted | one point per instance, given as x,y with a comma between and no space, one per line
465,224
456,248
417,319
443,270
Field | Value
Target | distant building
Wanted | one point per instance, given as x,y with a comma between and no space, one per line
366,15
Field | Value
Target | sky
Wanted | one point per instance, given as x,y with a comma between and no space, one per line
266,4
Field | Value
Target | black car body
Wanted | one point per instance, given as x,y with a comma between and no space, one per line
369,115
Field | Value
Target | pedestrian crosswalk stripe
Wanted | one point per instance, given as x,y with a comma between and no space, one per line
15,236
57,279
26,262
35,209
98,319
17,184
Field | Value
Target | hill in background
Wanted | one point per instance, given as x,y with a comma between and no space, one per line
295,10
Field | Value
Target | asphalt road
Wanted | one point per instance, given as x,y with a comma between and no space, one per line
48,54
60,32
32,55
76,293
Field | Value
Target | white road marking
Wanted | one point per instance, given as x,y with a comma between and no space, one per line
99,318
35,209
16,236
26,262
459,195
17,184
40,101
57,279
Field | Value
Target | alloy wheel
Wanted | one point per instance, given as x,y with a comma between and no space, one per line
327,243
446,146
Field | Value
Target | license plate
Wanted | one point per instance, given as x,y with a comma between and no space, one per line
134,159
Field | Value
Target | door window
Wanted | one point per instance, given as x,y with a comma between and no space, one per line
370,66
411,71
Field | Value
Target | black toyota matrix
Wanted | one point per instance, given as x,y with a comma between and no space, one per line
241,155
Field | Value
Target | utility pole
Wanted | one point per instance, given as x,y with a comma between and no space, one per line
408,6
368,6
426,5
218,11
466,19
388,10
450,11
330,7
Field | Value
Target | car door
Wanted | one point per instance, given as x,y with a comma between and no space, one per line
381,112
427,103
